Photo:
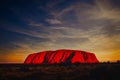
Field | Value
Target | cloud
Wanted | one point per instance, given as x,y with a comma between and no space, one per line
111,30
53,21
104,9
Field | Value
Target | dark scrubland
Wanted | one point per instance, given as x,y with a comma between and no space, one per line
76,71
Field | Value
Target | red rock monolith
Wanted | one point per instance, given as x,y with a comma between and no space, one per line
61,56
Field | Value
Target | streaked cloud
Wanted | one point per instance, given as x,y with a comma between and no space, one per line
105,10
53,21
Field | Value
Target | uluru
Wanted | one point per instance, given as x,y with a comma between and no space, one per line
61,56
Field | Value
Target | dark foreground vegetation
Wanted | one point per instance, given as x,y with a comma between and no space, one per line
98,71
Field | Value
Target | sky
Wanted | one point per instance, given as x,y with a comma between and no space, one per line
30,26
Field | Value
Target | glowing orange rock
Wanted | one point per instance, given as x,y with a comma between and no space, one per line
61,56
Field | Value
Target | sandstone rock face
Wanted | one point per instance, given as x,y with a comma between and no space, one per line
61,56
